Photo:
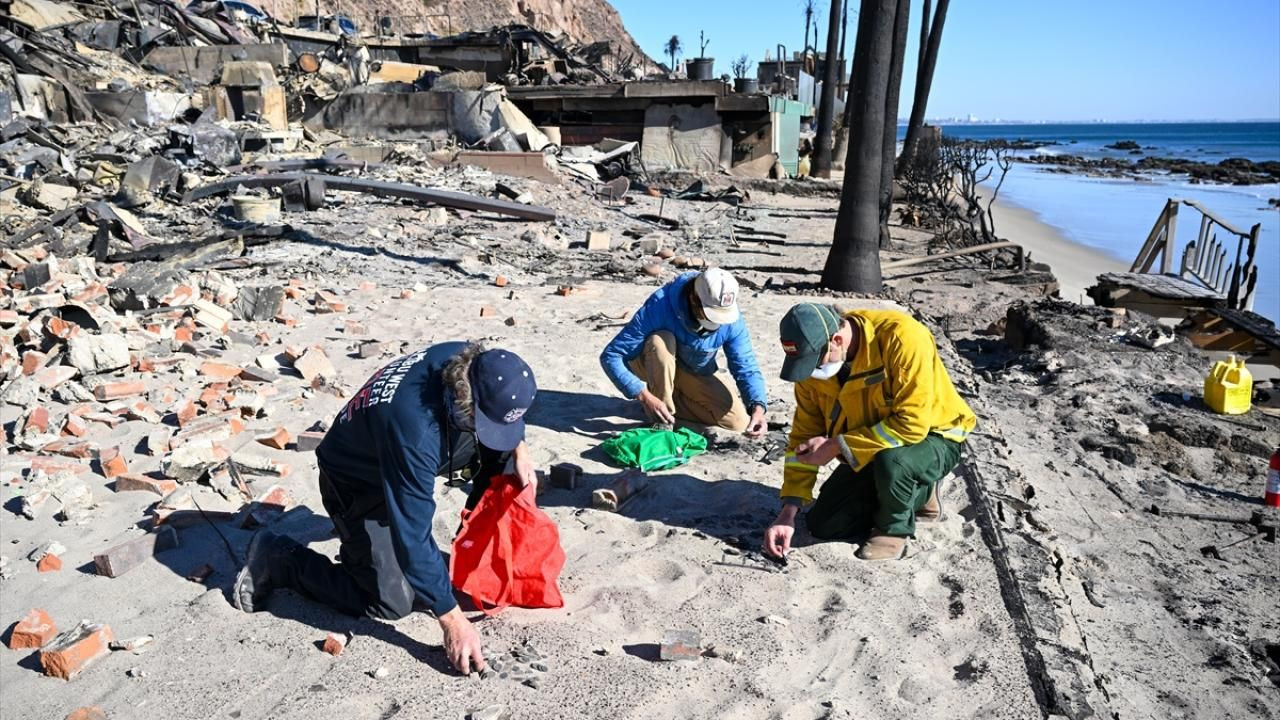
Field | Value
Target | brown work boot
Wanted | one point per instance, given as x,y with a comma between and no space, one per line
931,511
883,547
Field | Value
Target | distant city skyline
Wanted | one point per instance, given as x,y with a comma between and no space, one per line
1030,62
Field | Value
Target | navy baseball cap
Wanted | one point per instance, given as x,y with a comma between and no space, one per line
503,387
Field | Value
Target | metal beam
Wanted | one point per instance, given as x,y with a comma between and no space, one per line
381,189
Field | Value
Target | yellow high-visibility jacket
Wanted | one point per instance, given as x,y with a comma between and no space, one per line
896,393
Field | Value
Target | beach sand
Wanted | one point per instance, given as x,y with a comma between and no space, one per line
1082,603
1076,266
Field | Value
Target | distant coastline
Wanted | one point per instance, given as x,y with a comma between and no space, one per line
1108,204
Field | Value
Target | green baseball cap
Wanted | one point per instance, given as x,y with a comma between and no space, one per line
805,331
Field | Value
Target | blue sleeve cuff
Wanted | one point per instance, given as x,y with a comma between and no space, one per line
444,605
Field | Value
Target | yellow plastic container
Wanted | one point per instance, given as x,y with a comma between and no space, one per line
1228,388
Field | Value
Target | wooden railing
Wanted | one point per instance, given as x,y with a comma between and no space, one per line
1204,260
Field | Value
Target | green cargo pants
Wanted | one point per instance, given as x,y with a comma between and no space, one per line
884,494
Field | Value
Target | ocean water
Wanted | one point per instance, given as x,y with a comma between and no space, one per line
1115,215
1204,142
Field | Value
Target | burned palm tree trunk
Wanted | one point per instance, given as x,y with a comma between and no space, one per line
854,261
890,146
930,41
826,110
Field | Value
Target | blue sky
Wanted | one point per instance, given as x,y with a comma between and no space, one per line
1032,59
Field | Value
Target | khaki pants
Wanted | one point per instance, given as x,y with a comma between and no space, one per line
703,399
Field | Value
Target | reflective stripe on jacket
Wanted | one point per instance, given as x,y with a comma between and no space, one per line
894,393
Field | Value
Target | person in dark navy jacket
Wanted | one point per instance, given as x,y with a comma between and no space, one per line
450,410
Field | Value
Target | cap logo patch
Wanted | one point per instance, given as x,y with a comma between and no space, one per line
790,348
727,299
514,415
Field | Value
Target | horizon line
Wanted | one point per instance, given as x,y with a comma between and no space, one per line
961,121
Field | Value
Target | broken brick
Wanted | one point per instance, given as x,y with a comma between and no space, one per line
114,466
327,302
313,364
158,441
74,426
80,450
308,441
220,371
142,483
116,390
53,466
371,348
278,438
351,327
51,377
500,281
142,410
71,652
49,563
334,644
486,312
258,374
9,317
59,328
680,645
267,507
37,419
406,294
598,240
89,712
186,412
32,631
207,314
33,360
367,286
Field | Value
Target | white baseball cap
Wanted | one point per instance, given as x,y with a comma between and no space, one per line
718,293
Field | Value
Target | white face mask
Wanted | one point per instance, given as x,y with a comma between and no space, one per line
827,370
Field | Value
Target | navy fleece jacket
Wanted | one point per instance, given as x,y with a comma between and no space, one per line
389,440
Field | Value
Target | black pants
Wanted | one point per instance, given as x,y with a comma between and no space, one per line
368,579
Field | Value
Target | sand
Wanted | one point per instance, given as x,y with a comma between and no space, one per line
1076,265
968,626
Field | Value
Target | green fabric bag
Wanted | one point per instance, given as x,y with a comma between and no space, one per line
654,449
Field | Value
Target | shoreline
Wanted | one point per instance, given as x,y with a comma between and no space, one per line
1075,265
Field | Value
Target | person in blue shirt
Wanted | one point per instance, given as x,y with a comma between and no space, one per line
666,356
453,408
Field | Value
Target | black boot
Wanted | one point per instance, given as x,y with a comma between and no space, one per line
261,572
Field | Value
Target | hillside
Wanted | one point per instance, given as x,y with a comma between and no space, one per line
584,21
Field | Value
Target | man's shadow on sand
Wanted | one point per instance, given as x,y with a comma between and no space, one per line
586,414
207,543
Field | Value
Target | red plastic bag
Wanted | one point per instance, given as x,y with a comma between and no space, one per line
508,552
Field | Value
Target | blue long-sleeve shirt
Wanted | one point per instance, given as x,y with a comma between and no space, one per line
388,441
666,309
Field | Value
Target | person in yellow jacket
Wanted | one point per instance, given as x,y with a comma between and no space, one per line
872,393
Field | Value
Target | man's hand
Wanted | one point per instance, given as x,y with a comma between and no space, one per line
524,466
462,642
818,451
758,425
656,407
777,539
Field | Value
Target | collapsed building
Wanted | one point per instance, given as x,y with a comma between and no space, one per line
508,89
